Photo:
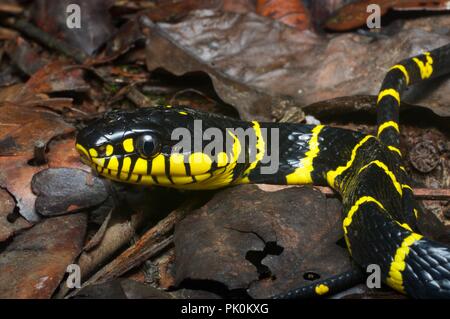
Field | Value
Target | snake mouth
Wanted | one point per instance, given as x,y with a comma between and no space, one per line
122,176
134,170
98,165
148,180
192,182
94,162
84,154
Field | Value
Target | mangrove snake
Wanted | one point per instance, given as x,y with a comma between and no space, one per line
380,223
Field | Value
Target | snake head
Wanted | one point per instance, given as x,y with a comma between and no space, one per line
143,147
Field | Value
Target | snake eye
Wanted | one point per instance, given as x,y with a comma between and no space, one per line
148,145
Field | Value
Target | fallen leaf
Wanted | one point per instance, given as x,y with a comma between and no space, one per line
15,176
57,77
25,56
130,289
108,290
239,6
65,190
20,128
33,265
188,54
153,241
170,11
19,94
123,40
355,14
95,28
245,239
62,153
292,13
9,224
258,65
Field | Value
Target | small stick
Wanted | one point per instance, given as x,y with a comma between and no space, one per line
432,194
77,55
419,193
46,39
190,90
39,153
152,243
138,98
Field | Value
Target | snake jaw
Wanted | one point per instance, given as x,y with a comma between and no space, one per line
84,154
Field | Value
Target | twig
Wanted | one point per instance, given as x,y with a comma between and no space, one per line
46,39
152,243
77,55
142,250
190,90
419,193
39,153
138,98
432,194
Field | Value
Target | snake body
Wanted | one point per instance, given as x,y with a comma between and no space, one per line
380,213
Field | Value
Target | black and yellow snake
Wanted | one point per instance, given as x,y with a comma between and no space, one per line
366,170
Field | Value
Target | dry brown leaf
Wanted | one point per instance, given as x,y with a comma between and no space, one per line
245,239
20,128
35,262
256,63
9,224
355,14
292,12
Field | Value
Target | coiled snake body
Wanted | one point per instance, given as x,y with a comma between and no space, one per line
366,170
